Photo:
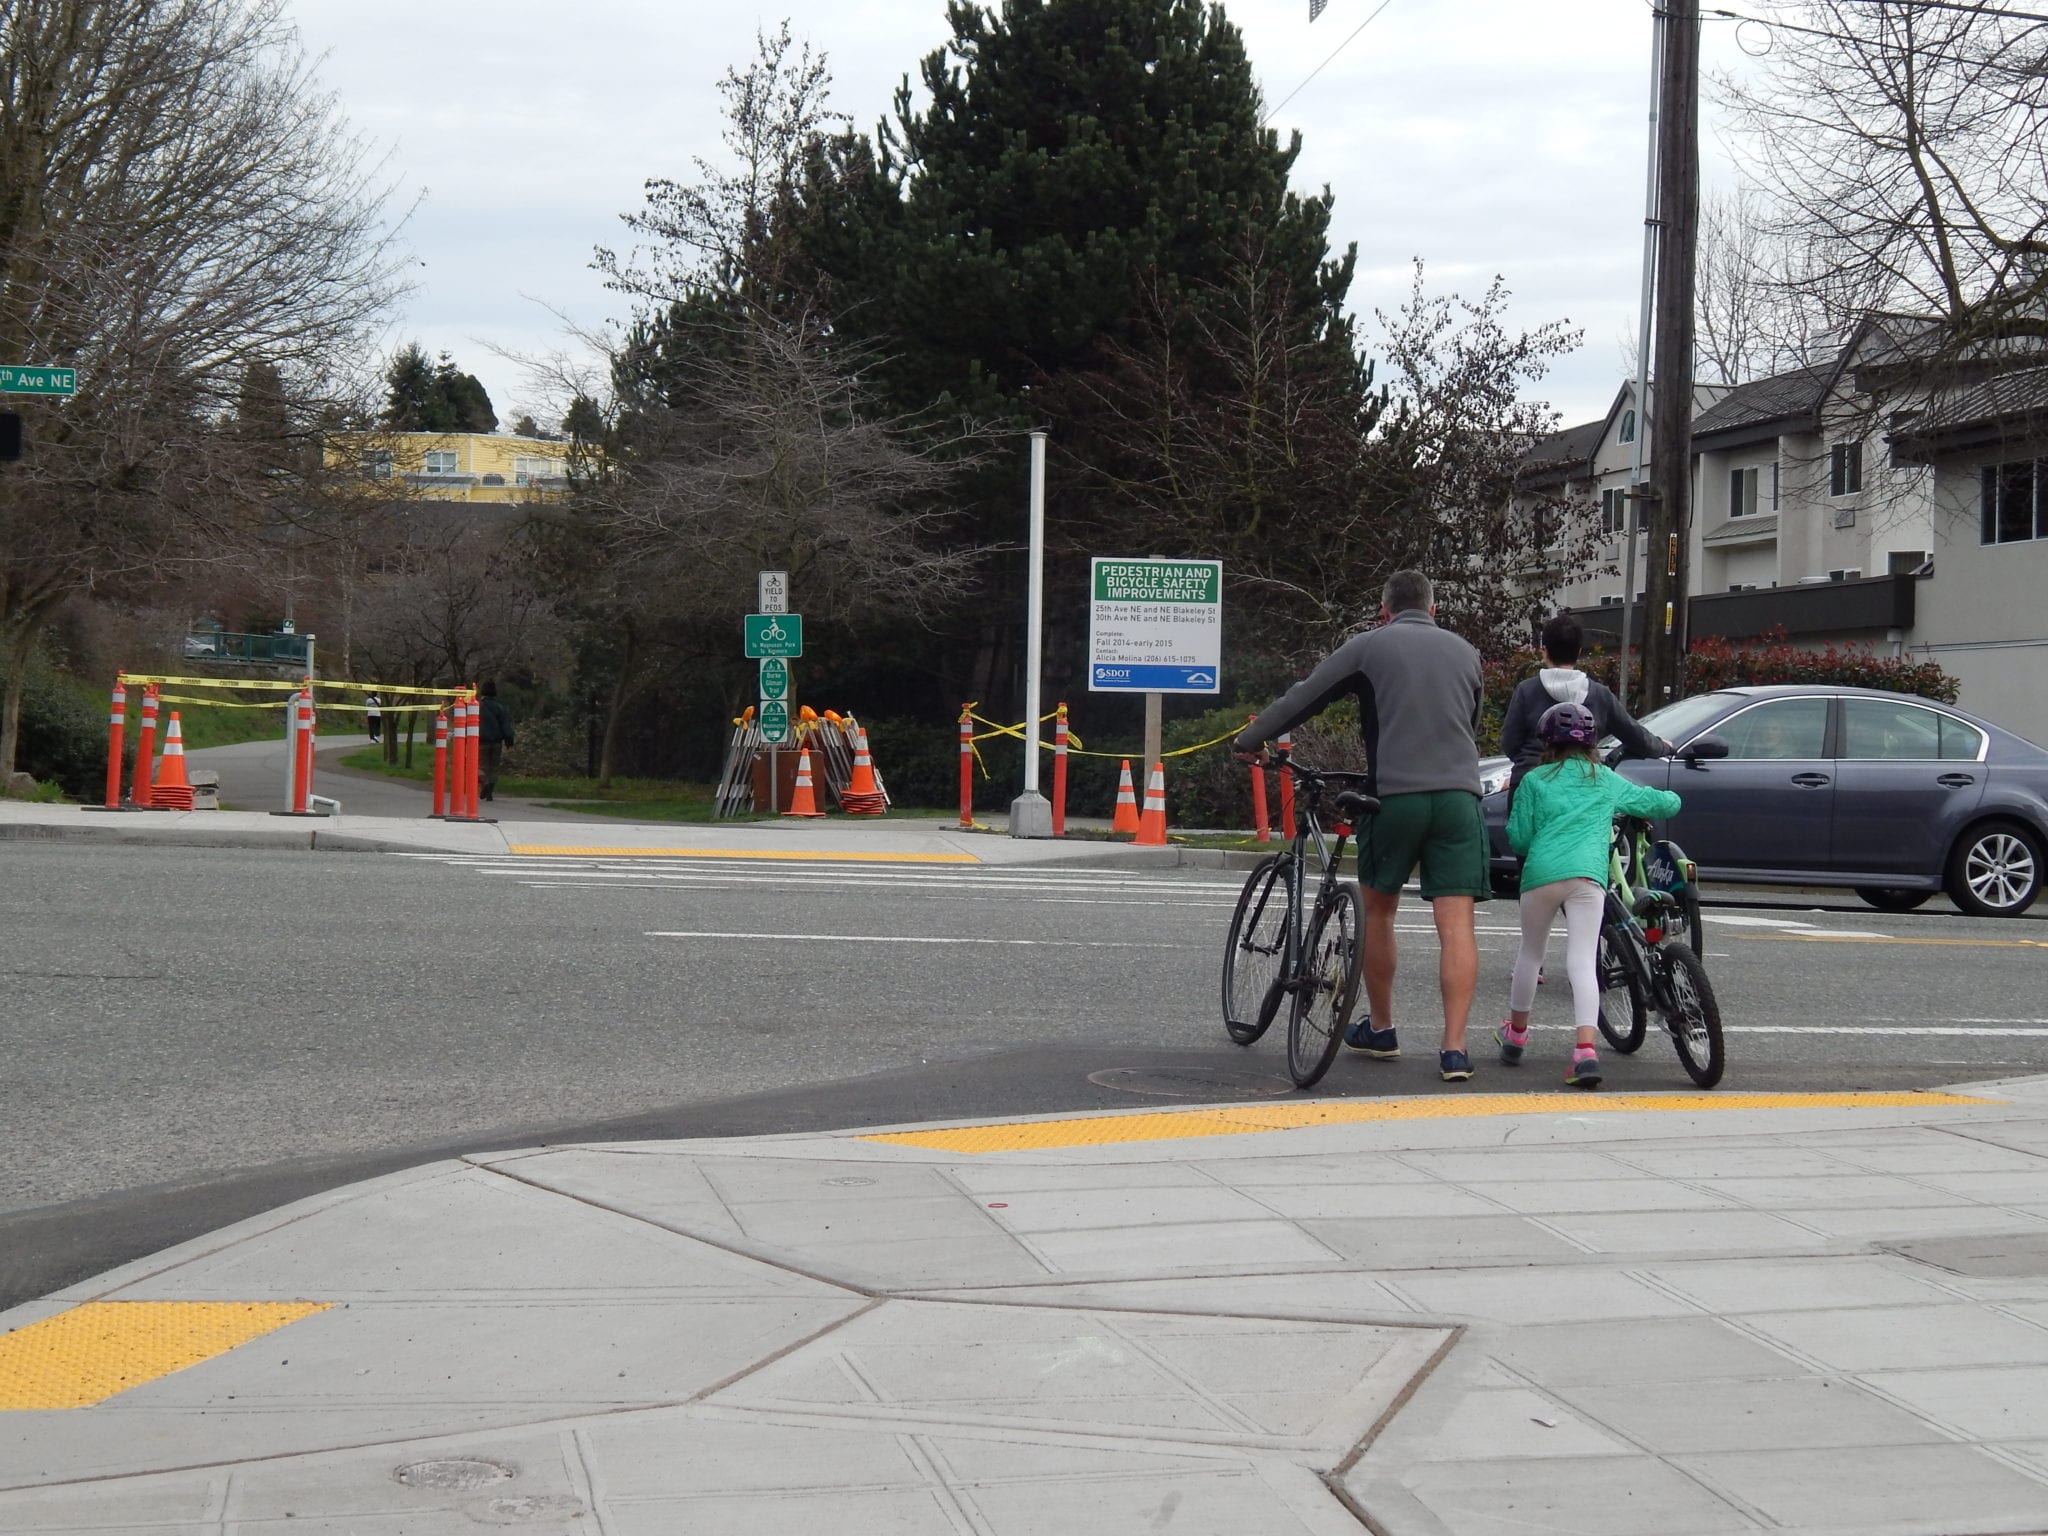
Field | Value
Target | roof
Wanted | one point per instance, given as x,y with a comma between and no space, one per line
1997,410
1561,452
1781,397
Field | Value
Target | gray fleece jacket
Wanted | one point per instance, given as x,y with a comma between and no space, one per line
1418,690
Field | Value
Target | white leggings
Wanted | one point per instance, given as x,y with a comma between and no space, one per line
1584,902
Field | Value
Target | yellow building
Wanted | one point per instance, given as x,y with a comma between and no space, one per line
458,466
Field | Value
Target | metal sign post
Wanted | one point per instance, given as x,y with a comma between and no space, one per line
1031,812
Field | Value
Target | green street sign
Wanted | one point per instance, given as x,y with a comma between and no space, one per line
774,679
774,719
38,381
774,634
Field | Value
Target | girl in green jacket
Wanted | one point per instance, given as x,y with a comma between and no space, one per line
1562,824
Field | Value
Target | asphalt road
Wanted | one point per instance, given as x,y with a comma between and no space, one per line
187,1036
252,779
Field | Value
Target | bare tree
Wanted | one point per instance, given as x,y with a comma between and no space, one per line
1902,148
1752,317
178,202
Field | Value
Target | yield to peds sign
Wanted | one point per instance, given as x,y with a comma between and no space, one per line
1155,626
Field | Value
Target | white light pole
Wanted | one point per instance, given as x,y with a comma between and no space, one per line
1651,225
1031,812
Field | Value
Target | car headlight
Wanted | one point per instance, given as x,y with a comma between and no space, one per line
1493,781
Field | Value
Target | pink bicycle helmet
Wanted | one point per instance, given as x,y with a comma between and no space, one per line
1568,725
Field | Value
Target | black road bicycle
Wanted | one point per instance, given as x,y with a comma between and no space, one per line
1643,965
1282,946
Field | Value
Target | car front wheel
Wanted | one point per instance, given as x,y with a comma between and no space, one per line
1995,870
1893,898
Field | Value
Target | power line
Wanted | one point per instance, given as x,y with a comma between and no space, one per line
2020,71
1326,62
1964,6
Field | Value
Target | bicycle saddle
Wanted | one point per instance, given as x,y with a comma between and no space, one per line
1353,806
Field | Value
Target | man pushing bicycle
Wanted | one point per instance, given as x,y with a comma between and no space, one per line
1419,694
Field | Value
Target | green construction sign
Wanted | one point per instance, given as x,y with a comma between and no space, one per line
774,635
23,380
774,722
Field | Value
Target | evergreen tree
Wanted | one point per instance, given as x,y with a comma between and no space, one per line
434,397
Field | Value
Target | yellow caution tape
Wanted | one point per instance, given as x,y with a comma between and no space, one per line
1073,741
266,685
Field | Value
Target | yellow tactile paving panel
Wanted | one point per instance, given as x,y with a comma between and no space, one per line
822,856
1170,1125
91,1352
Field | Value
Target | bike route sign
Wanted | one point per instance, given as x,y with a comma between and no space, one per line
774,679
774,722
1155,626
774,634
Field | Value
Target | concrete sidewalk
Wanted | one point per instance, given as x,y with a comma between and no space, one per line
1539,1312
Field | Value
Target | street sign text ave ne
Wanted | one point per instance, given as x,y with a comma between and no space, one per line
774,634
19,380
1155,626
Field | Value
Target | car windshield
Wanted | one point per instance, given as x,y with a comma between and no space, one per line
1680,722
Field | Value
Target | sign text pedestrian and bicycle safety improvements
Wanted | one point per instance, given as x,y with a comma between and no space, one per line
16,380
774,722
1155,626
774,679
774,634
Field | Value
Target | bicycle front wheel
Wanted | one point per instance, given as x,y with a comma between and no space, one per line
1624,1012
1694,1017
1257,949
1326,989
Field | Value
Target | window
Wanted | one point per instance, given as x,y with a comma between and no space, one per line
1782,730
1961,741
440,462
1610,599
1743,485
1774,485
1628,426
2014,506
535,469
1904,562
1847,573
1613,511
1875,730
1845,469
377,465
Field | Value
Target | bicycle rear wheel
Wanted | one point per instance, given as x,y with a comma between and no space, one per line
1326,989
1624,1011
1694,1018
1257,949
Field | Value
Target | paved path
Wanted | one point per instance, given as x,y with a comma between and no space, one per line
1465,1317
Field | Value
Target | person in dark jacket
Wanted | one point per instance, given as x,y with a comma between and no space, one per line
1419,692
1561,682
494,735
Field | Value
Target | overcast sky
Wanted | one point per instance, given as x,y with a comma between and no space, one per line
1482,135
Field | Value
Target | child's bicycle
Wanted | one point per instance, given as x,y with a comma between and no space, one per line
1647,966
1288,940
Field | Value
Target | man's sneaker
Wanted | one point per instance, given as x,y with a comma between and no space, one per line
1453,1066
1383,1044
1511,1045
1585,1072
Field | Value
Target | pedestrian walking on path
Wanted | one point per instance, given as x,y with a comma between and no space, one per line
494,734
1419,692
373,711
1563,826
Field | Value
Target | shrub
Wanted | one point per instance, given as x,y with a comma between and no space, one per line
63,731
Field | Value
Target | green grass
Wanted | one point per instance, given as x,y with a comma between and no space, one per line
204,726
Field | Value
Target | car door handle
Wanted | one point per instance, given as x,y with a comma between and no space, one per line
1811,780
1957,780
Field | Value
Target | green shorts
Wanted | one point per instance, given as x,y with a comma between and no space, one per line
1440,829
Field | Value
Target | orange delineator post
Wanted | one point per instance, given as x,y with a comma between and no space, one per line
1261,828
468,788
1125,818
302,754
966,767
476,757
1059,772
145,751
1286,744
803,800
440,765
1152,824
117,732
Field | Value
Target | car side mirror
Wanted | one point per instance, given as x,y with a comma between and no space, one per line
1702,748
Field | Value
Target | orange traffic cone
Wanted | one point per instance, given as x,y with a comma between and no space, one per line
804,802
171,789
863,795
1152,825
1126,818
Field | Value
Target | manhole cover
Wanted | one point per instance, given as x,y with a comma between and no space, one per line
457,1475
1190,1083
851,1181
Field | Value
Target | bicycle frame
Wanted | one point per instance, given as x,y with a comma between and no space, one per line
1308,828
1634,938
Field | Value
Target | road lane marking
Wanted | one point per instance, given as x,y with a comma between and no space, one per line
913,938
1880,938
2039,1029
1735,920
86,1354
821,855
1173,1125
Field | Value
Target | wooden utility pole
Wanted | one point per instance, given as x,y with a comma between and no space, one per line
1678,214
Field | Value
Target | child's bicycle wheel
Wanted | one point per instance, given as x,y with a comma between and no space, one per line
1624,1012
1695,1017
